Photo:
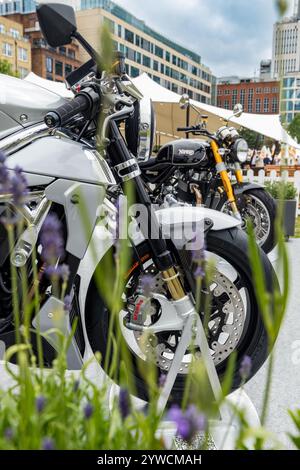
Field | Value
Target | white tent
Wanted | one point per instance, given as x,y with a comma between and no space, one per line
170,116
56,87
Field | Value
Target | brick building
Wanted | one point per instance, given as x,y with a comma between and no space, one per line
256,95
14,47
47,62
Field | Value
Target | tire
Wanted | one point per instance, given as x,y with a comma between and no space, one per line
232,245
268,203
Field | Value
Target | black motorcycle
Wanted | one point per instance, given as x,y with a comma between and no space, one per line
199,172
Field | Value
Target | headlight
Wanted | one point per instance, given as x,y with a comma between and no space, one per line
140,129
240,150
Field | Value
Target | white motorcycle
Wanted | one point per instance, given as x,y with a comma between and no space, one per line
54,141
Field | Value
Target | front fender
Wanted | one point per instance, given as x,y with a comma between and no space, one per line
182,223
245,187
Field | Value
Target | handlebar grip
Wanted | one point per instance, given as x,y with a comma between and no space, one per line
60,116
183,129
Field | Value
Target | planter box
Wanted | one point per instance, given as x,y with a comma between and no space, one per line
289,216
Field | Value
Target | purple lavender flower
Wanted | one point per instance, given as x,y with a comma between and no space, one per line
199,272
8,433
199,257
245,367
40,403
189,423
147,283
52,240
48,444
64,272
68,303
162,380
88,410
124,403
18,186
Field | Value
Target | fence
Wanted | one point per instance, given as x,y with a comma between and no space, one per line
262,176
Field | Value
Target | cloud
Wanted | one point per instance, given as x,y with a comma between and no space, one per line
232,36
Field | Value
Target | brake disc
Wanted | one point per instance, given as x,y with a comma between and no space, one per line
225,325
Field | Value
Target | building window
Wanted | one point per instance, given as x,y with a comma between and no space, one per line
174,60
288,82
129,36
58,68
7,49
134,72
22,54
23,72
71,53
266,105
258,91
138,57
226,104
258,106
145,44
68,69
15,33
146,61
49,64
155,65
156,79
162,68
62,50
274,105
137,40
119,30
130,54
168,57
2,29
159,52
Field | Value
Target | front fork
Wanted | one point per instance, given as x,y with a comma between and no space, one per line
222,170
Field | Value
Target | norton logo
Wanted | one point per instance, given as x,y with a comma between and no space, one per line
189,153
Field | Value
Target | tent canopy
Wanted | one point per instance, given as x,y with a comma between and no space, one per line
56,87
170,116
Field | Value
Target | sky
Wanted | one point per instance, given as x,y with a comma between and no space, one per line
232,36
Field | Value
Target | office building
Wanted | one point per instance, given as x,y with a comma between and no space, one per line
167,62
256,95
14,47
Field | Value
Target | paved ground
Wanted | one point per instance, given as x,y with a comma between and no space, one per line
285,391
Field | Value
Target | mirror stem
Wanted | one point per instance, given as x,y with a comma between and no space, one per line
88,48
188,113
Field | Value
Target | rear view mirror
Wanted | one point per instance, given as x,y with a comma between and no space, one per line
57,22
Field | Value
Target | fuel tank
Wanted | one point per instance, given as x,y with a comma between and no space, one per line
60,157
184,152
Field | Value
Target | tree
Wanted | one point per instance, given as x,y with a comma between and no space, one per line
294,128
6,68
253,139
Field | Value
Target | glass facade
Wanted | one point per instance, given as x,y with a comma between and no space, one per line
17,6
290,97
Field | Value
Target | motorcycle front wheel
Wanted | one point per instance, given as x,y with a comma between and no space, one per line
235,323
258,206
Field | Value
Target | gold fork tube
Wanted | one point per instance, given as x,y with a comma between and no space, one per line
171,277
